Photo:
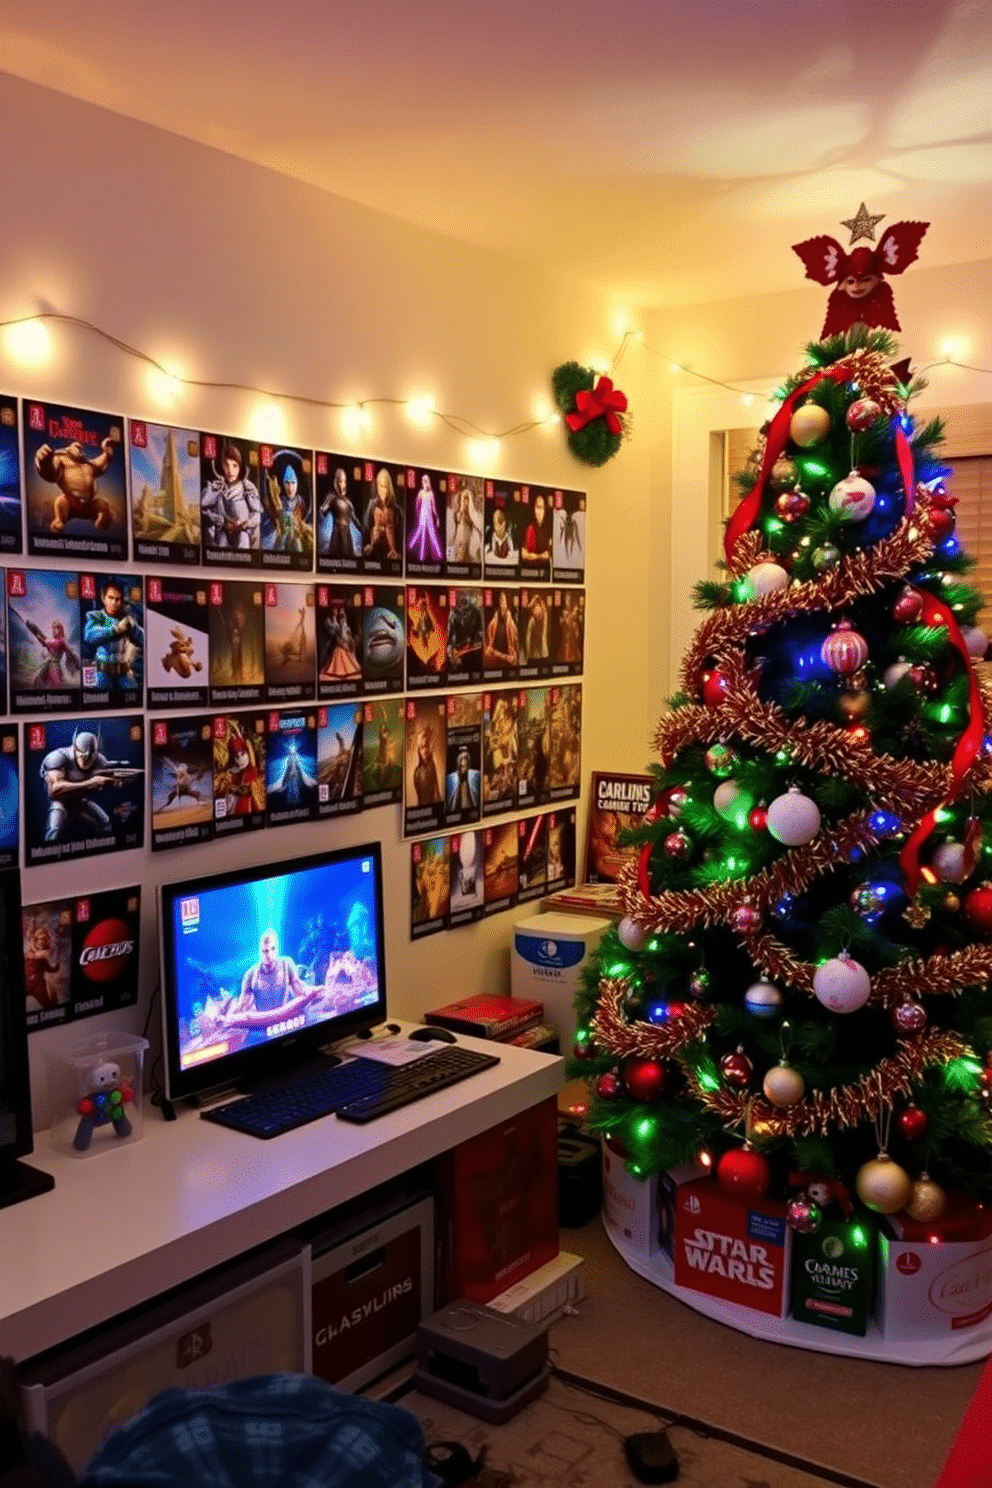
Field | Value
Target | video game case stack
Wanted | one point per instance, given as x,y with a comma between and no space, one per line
506,1020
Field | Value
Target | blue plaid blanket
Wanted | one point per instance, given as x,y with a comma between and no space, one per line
276,1431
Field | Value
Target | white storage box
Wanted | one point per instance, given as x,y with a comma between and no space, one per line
96,1087
549,952
630,1205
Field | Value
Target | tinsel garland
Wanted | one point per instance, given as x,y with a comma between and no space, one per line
942,975
873,377
821,1112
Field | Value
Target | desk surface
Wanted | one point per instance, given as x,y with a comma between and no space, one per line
124,1225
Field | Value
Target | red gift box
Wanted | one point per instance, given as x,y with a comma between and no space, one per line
730,1249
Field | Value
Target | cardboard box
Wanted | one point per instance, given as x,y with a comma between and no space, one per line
931,1287
833,1275
370,1291
251,1318
498,1205
549,952
728,1249
630,1205
543,1296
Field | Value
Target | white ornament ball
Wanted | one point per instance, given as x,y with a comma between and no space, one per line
894,674
765,578
950,862
975,640
842,985
793,819
632,935
726,797
763,1000
852,498
809,424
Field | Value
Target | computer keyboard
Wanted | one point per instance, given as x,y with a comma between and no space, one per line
356,1090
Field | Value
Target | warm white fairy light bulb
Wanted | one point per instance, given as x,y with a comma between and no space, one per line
953,348
164,386
620,322
267,421
420,410
355,420
482,453
28,343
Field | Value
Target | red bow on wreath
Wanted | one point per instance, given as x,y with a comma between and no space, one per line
604,401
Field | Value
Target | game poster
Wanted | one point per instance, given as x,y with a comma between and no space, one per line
430,886
425,523
10,796
535,633
3,654
383,638
291,767
290,643
177,642
568,631
561,849
566,740
182,781
468,900
230,501
568,553
617,804
339,759
74,481
165,492
426,636
339,640
465,637
499,752
112,623
285,484
383,518
463,774
532,857
237,640
534,746
340,503
43,643
239,772
383,733
11,539
84,787
465,519
501,643
500,867
535,524
81,955
501,553
424,767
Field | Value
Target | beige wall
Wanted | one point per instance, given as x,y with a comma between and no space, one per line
238,274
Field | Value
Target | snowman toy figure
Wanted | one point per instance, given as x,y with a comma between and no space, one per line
108,1094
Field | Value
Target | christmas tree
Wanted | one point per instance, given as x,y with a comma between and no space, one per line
798,989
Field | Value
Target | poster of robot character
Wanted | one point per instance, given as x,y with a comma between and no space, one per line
75,482
84,787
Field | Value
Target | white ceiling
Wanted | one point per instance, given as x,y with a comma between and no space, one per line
670,152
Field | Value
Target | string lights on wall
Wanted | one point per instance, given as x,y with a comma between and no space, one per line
28,343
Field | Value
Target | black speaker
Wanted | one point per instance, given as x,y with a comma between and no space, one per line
580,1177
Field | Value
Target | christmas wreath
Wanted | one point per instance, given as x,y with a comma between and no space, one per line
593,410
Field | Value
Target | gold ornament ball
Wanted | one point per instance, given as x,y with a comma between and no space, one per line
883,1185
783,1085
854,705
809,424
928,1202
952,903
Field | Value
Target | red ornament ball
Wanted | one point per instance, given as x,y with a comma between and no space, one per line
745,919
908,607
677,798
757,819
677,846
803,1215
585,1049
924,678
737,1069
978,908
914,1123
791,506
744,1172
716,685
784,474
862,414
609,1086
844,651
940,523
645,1079
909,1016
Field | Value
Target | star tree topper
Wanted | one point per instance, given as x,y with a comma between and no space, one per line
860,291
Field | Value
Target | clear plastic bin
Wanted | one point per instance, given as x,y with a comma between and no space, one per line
96,1087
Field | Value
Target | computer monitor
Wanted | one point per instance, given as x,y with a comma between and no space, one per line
18,1180
263,966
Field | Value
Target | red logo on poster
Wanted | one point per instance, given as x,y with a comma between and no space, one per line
16,584
37,736
107,950
36,416
908,1263
87,586
154,591
265,453
322,465
139,435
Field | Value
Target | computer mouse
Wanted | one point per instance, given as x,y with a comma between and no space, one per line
422,1035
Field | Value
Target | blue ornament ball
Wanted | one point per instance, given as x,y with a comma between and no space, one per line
763,1000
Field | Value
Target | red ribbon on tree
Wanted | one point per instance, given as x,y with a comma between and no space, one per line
602,401
966,752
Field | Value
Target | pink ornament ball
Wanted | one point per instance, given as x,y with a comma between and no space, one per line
632,935
844,651
842,985
803,1215
726,797
950,862
793,819
975,640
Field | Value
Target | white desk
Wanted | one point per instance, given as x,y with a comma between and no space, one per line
124,1225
